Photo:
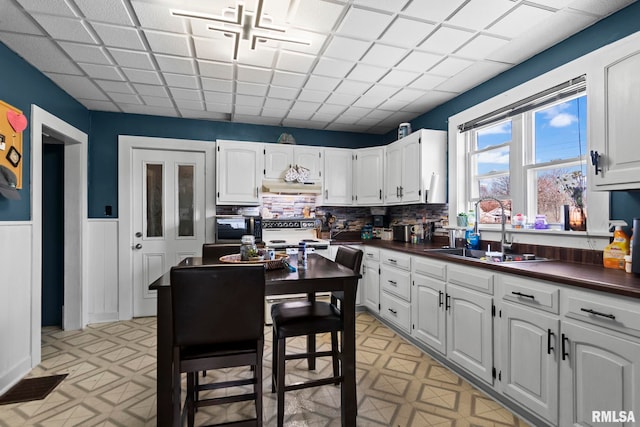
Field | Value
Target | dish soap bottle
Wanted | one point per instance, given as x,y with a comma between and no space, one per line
614,252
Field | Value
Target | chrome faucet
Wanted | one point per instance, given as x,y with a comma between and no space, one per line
504,244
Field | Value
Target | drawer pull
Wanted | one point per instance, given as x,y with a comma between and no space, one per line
394,312
440,294
520,294
549,336
392,260
597,313
394,283
565,340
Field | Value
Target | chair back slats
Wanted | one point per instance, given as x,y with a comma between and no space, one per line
214,304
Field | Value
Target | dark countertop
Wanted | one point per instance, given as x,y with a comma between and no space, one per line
579,275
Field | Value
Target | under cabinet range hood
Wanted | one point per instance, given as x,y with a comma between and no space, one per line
283,187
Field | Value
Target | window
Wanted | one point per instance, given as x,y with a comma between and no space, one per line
531,157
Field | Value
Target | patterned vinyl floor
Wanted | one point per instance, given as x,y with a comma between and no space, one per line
112,379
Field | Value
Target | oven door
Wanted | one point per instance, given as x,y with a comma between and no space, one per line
230,228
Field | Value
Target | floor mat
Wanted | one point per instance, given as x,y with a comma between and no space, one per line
31,389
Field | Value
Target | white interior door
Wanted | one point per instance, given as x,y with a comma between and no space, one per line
168,223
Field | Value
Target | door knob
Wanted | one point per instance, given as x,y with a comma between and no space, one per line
138,234
138,246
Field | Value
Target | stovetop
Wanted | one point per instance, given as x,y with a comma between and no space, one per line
289,232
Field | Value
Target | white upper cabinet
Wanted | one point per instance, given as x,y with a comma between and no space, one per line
614,107
278,158
368,175
239,167
338,170
415,168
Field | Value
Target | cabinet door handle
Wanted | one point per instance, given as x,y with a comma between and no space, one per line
565,340
447,306
257,191
520,294
397,191
595,161
394,312
326,194
380,195
401,191
597,313
549,336
393,282
440,294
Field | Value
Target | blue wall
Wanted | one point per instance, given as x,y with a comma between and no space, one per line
105,128
22,85
624,205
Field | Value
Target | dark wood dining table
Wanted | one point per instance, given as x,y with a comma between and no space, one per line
321,275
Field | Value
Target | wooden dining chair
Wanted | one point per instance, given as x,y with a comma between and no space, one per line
211,252
218,322
304,318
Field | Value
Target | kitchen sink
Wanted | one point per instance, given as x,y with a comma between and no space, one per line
481,255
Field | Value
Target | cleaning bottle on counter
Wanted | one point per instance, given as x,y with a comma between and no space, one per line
614,252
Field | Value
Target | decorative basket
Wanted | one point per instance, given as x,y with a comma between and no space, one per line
269,264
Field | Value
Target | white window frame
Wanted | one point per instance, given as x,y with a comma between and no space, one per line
597,235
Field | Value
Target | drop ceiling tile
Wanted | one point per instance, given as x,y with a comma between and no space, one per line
41,53
383,56
78,86
282,78
277,104
398,78
251,101
142,76
429,101
419,61
258,120
181,80
262,56
94,105
220,49
406,32
520,20
351,87
321,83
90,54
305,106
296,62
345,48
157,17
367,73
218,97
446,40
324,117
331,109
185,94
358,112
149,110
408,94
478,15
556,4
203,115
274,113
432,10
172,44
481,47
599,7
381,92
427,81
342,98
312,95
389,6
251,89
296,123
339,127
125,98
315,42
450,66
117,36
111,86
113,11
217,85
379,114
215,69
317,15
187,104
52,7
175,64
106,72
157,101
132,59
254,75
332,67
300,115
364,24
282,92
219,108
247,110
14,20
368,101
393,104
69,29
150,90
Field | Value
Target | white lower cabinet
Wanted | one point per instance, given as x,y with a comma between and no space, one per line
529,354
396,310
371,279
395,288
428,294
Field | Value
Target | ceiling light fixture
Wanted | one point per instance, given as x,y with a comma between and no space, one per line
256,31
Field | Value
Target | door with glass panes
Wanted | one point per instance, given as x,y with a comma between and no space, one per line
168,217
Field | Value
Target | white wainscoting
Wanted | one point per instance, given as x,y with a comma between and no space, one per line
103,270
15,302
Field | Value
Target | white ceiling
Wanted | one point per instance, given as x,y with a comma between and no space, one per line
370,64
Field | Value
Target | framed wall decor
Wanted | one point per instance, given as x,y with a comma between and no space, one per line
12,124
